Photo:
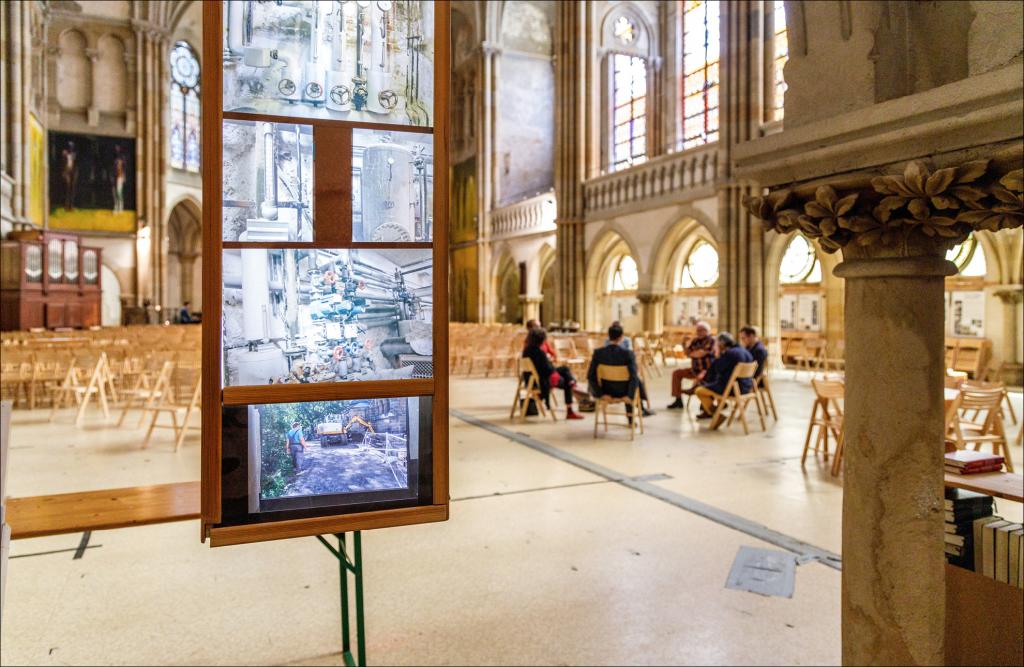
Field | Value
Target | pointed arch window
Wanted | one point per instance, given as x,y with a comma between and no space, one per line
629,110
701,52
700,268
184,103
969,258
625,276
800,263
779,55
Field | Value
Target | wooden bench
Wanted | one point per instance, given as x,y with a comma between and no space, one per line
39,516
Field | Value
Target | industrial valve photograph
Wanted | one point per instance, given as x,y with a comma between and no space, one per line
338,59
315,315
268,181
330,447
392,182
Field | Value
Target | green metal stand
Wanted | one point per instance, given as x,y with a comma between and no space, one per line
355,566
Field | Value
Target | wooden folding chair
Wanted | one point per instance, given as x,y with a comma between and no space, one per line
827,417
175,404
146,391
528,389
99,384
1006,396
635,414
812,358
737,399
764,394
985,403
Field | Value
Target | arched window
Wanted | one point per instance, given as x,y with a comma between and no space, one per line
969,258
701,267
624,276
629,104
184,97
700,72
800,263
779,56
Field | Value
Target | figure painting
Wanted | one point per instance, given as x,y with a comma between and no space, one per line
92,182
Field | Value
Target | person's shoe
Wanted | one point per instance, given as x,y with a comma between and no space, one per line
648,413
718,422
676,404
570,414
703,415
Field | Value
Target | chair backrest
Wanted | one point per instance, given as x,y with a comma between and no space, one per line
526,366
978,384
977,398
745,371
564,346
607,373
827,390
815,345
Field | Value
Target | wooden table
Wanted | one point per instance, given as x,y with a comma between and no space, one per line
38,516
1006,485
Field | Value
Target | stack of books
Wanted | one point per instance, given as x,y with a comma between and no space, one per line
967,462
963,509
999,550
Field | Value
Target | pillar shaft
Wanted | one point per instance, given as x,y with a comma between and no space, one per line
893,587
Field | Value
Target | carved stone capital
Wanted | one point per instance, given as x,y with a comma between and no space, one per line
652,298
1011,296
918,212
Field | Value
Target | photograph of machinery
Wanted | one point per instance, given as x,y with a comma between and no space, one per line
330,447
268,181
301,316
359,60
392,186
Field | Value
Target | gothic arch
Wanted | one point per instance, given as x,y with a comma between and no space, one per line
675,243
184,251
645,45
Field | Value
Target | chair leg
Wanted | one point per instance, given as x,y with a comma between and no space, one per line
838,458
771,401
761,415
717,414
597,414
743,417
810,429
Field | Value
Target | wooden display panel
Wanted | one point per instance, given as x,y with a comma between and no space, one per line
332,229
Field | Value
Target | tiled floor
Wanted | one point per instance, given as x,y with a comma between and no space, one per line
542,562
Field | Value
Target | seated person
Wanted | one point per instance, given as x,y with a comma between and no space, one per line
546,346
700,350
548,375
751,340
626,342
613,354
731,353
185,314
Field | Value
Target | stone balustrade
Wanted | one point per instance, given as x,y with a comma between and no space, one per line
681,176
530,216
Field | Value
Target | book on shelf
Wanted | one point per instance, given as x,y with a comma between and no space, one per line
966,458
978,540
957,499
1002,554
957,540
998,467
953,550
1016,559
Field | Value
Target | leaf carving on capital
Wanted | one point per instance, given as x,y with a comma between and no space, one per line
944,205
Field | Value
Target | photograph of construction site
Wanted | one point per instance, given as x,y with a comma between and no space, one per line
300,450
314,315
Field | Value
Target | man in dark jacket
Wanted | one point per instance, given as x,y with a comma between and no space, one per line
614,354
750,339
721,370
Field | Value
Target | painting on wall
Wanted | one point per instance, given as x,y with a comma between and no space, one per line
92,182
36,160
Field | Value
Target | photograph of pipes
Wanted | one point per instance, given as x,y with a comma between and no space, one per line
325,167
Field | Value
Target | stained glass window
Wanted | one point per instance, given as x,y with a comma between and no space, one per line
629,111
624,30
780,54
184,99
700,72
800,263
625,276
701,267
969,258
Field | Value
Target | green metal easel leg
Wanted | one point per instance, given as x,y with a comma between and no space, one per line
355,566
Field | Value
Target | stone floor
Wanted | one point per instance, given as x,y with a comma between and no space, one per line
561,549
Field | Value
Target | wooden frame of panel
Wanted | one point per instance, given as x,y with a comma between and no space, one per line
333,201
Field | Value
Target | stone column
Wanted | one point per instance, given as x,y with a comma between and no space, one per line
488,306
893,230
893,586
530,306
653,310
571,74
1011,299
